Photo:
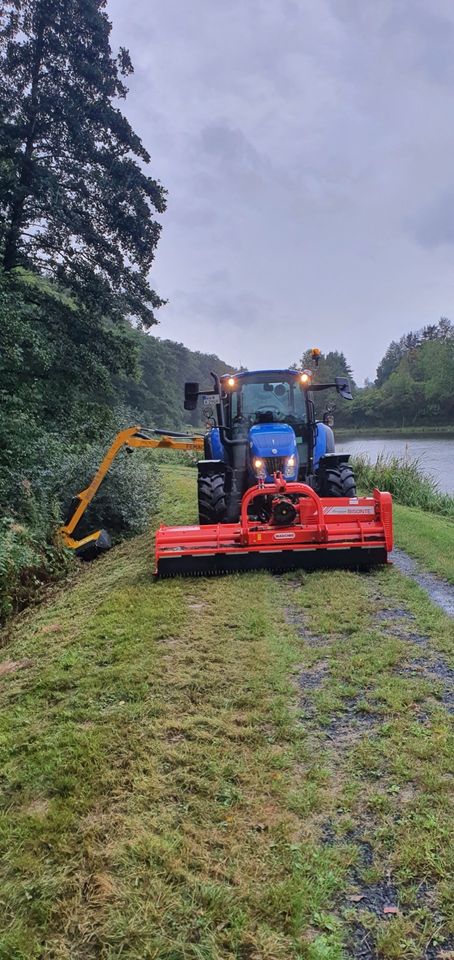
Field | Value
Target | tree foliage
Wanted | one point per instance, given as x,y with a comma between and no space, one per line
413,386
65,390
164,366
75,200
330,365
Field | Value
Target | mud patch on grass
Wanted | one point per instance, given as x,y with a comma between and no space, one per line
37,808
311,678
368,904
412,668
397,620
308,680
295,619
390,614
12,666
360,896
379,898
435,670
346,728
194,603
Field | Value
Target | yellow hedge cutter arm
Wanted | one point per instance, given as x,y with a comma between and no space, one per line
89,546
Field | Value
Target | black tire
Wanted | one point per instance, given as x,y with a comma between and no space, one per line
211,495
338,482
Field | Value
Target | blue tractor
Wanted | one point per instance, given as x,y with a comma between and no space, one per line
260,424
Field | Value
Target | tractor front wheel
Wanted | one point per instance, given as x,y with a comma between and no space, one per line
211,495
338,482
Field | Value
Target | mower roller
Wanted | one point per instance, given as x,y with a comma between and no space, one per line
272,492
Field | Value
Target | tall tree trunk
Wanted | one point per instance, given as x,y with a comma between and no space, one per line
13,233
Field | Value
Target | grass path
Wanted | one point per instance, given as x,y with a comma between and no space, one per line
251,767
427,537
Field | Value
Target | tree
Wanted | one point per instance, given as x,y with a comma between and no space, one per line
389,363
75,200
331,365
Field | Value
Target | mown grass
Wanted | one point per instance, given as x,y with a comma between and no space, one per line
188,774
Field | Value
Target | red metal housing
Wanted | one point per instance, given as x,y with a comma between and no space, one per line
335,531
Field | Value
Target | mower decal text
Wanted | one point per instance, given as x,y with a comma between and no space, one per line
348,509
284,536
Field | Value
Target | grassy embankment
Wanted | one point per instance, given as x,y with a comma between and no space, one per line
423,517
251,767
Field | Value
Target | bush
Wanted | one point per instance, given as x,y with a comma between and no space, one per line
38,488
29,557
405,480
126,498
184,458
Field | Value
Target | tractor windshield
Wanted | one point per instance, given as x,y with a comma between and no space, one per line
267,400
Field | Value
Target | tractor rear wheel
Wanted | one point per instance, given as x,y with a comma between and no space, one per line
211,495
338,482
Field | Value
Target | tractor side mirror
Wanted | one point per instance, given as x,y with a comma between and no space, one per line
191,395
343,388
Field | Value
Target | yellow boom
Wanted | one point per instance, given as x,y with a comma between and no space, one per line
133,437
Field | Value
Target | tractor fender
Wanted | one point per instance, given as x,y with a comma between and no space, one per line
206,467
213,444
324,442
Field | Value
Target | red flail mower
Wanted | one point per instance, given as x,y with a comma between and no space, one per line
304,530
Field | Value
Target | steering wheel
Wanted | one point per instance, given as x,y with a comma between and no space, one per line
268,408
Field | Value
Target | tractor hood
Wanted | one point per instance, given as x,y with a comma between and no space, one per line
274,444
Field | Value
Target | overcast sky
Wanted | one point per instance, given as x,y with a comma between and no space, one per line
308,150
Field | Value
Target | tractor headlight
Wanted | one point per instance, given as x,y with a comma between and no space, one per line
259,468
290,465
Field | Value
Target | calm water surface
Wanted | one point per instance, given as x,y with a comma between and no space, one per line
436,454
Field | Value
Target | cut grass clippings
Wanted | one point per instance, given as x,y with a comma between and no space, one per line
248,767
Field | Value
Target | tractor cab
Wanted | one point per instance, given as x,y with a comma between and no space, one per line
265,426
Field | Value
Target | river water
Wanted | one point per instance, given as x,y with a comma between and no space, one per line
436,454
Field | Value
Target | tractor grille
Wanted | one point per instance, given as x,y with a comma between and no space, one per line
275,465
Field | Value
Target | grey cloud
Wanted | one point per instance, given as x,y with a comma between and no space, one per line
226,303
435,225
307,150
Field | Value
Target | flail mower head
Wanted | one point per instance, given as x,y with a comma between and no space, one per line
304,530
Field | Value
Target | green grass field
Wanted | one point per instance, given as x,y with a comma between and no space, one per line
427,537
252,767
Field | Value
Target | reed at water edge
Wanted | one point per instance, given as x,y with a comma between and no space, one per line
405,479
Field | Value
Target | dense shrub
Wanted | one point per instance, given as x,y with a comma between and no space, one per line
126,497
405,480
29,557
38,489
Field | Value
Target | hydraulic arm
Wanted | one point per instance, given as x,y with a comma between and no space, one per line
132,438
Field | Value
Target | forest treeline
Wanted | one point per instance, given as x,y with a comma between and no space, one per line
414,385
